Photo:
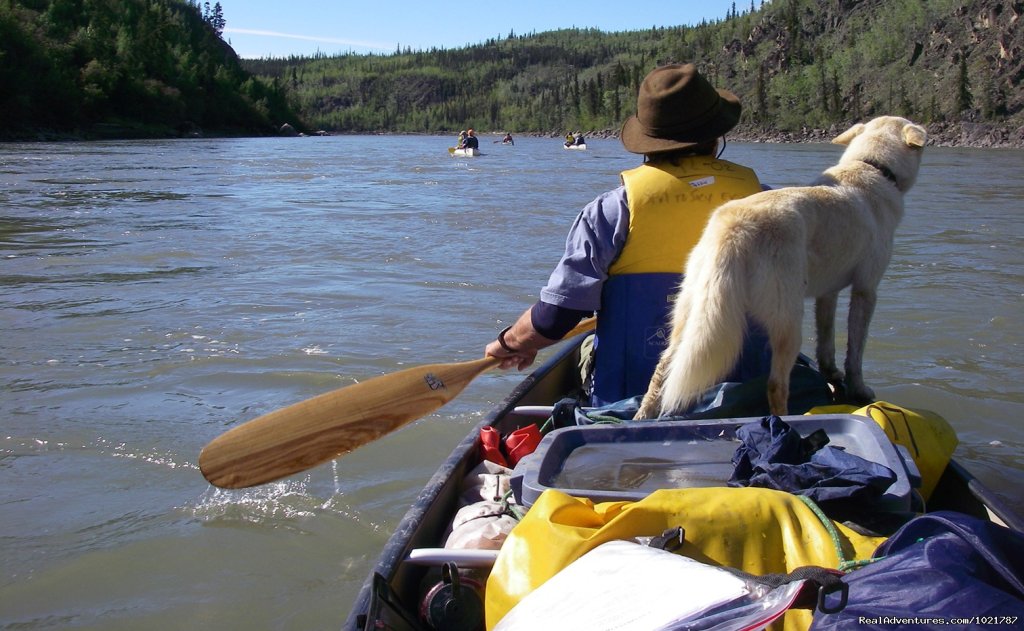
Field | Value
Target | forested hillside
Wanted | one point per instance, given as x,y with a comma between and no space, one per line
797,64
90,68
116,68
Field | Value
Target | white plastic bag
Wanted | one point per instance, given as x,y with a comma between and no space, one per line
624,586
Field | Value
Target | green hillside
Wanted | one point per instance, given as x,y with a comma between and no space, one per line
796,63
90,68
119,68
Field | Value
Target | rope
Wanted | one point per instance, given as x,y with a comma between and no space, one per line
845,565
514,510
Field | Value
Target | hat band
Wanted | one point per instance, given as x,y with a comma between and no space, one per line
691,123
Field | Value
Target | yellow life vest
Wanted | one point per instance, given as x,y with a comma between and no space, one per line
669,205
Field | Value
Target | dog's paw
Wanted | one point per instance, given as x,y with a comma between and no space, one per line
644,413
832,375
859,393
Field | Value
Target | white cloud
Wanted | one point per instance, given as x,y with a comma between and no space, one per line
308,38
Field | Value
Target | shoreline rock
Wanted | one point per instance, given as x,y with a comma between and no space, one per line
960,134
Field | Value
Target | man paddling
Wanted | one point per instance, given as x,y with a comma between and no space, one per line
624,253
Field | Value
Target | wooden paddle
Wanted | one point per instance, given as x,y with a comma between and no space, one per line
306,434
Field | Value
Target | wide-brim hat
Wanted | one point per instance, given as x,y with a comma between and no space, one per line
677,108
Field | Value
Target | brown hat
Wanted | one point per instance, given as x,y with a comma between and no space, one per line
677,108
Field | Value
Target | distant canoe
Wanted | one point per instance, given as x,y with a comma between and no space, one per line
463,152
582,147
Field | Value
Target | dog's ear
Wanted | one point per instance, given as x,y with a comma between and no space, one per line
848,135
915,136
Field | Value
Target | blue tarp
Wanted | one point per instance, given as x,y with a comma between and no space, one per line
774,456
943,569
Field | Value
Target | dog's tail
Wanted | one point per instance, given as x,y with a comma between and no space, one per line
711,318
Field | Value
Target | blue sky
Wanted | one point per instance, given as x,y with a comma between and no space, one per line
262,28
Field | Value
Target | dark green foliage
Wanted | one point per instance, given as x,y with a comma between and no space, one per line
214,17
964,100
795,64
159,66
126,67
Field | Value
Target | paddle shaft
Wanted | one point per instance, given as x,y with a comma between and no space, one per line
303,435
584,326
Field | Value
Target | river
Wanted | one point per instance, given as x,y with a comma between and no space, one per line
157,293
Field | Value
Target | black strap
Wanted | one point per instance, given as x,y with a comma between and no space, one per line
884,170
821,582
563,413
670,540
809,445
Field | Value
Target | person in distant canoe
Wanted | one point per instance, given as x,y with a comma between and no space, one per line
508,139
462,139
580,140
625,252
570,139
471,141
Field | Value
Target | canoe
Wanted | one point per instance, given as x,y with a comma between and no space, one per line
407,567
582,147
466,153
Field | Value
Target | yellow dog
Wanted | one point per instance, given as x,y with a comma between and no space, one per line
760,256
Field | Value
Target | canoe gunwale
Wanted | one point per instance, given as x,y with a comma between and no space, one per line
451,472
960,490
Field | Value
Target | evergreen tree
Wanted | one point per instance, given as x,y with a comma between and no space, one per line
964,101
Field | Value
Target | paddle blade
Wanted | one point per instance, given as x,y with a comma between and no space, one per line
311,432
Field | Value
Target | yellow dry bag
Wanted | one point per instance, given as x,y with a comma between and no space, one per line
759,531
928,437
